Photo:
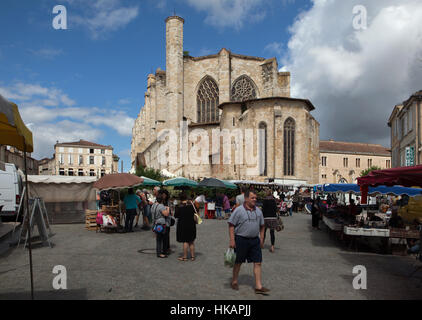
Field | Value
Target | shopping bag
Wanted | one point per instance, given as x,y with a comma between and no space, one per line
196,216
280,225
229,258
198,219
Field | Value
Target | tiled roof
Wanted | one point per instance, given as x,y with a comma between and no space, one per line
353,147
83,143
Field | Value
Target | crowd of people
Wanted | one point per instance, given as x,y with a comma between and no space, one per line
249,220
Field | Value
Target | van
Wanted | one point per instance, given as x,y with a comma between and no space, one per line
10,190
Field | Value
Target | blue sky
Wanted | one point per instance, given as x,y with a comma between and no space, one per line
88,82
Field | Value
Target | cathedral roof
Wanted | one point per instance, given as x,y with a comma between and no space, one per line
332,146
235,55
306,101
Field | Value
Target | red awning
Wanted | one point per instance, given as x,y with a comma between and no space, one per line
402,176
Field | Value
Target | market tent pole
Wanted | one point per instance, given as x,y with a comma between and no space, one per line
28,226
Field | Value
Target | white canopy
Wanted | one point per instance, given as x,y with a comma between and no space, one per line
62,188
60,179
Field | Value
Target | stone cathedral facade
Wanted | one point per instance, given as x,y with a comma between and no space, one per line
260,132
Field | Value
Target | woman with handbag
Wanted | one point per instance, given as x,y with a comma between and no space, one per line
269,210
166,197
161,224
186,227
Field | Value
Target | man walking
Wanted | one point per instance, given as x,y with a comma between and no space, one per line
246,230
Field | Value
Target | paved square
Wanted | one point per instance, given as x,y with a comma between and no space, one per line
306,265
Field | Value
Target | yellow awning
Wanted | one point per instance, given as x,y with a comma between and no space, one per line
13,131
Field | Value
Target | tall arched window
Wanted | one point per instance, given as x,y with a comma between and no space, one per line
207,101
262,138
289,147
243,89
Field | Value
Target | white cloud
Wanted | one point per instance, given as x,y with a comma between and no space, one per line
354,78
47,53
36,94
116,120
230,13
102,16
51,115
124,101
46,134
274,48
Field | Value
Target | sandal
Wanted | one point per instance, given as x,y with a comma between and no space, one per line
182,259
192,258
162,256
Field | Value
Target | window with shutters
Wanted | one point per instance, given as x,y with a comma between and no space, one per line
289,147
345,162
207,101
243,89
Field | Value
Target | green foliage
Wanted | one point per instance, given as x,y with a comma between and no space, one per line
150,173
367,171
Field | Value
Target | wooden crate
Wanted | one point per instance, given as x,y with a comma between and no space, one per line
91,219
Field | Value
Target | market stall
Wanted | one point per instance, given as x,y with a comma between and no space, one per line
214,183
410,213
109,217
353,222
66,198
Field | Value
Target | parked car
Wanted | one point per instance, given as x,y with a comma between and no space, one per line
10,191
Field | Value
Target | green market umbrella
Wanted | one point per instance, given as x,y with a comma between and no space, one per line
150,182
217,183
180,182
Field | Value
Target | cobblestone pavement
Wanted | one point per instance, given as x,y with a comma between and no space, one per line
306,265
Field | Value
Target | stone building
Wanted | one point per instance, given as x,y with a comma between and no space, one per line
46,166
82,158
232,115
342,162
12,155
406,136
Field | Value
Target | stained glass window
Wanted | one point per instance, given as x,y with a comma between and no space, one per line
243,89
207,101
289,147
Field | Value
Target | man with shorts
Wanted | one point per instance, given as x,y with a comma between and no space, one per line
246,230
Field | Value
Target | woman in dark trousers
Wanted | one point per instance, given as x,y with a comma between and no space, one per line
269,210
161,213
165,195
315,214
186,227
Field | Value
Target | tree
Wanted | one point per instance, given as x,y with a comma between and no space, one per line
150,173
369,170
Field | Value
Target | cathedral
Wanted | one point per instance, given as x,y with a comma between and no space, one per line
224,115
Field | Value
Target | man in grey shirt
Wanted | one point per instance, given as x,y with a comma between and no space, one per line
246,230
